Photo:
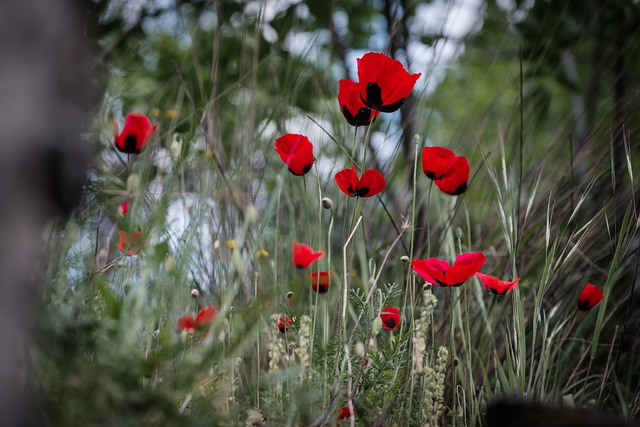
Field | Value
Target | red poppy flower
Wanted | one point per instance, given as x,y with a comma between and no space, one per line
371,183
343,413
123,208
356,113
204,318
456,178
303,255
284,323
496,286
320,281
384,83
135,134
590,296
390,318
436,161
448,171
296,151
440,272
131,243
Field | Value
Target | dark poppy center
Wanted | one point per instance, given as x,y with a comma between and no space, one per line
130,144
461,189
374,96
362,191
323,289
390,323
352,192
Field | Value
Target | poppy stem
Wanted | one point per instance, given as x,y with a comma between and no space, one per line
428,224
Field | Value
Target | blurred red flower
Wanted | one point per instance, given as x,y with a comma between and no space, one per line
284,323
320,281
390,318
343,413
135,134
204,318
439,272
296,151
131,243
590,296
303,255
496,286
384,83
351,105
371,183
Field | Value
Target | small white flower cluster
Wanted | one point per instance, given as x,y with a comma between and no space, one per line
276,345
434,388
304,339
420,335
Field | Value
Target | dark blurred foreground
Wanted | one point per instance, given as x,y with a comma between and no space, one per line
45,97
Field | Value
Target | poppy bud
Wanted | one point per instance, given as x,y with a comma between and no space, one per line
416,138
377,326
327,203
404,258
123,208
456,362
176,147
251,214
169,264
458,233
133,183
195,293
359,349
101,259
289,295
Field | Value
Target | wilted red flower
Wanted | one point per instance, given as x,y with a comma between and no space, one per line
390,318
384,83
440,272
590,296
131,243
351,105
204,318
320,281
343,413
496,286
448,171
123,208
371,183
135,134
303,255
296,151
284,323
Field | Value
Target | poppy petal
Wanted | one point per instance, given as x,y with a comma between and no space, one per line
205,316
590,296
371,183
390,317
296,151
303,255
352,107
455,180
436,161
347,180
135,134
320,281
186,323
384,83
431,270
464,267
496,286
